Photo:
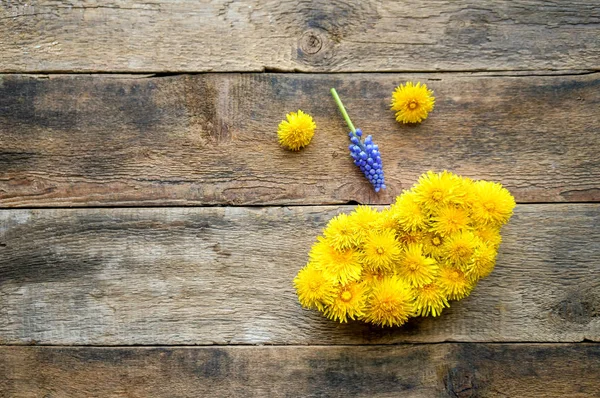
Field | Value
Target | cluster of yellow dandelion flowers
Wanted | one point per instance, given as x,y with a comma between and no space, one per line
430,247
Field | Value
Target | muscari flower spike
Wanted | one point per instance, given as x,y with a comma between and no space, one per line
365,153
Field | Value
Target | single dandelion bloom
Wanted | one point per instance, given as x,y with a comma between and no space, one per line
450,219
493,203
435,190
341,266
488,234
408,211
348,302
313,288
430,299
483,262
433,245
390,303
414,268
459,248
365,153
341,232
297,131
454,283
364,219
465,190
386,220
381,250
412,103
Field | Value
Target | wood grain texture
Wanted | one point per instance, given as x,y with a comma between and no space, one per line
323,35
440,370
224,276
211,139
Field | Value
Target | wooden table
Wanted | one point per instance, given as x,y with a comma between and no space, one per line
151,225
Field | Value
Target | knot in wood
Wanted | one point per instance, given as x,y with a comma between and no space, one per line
311,42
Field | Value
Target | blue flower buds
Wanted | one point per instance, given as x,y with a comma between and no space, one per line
367,157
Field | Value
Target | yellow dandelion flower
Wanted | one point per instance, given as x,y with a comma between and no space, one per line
341,266
313,288
297,131
381,250
340,232
454,283
488,234
433,245
408,211
493,203
364,219
430,299
349,302
483,262
414,268
459,249
435,190
450,219
465,190
412,103
386,220
391,302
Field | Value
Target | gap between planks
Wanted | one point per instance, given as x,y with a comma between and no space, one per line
516,73
316,345
250,206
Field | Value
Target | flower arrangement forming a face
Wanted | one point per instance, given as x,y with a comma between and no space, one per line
430,247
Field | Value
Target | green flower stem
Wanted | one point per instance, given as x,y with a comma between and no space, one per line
338,101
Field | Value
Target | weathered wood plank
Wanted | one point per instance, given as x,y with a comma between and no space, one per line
323,35
224,276
211,139
430,370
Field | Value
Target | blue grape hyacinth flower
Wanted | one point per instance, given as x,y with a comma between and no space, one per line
367,157
365,153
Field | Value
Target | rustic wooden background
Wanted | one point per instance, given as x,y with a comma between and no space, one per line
150,225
